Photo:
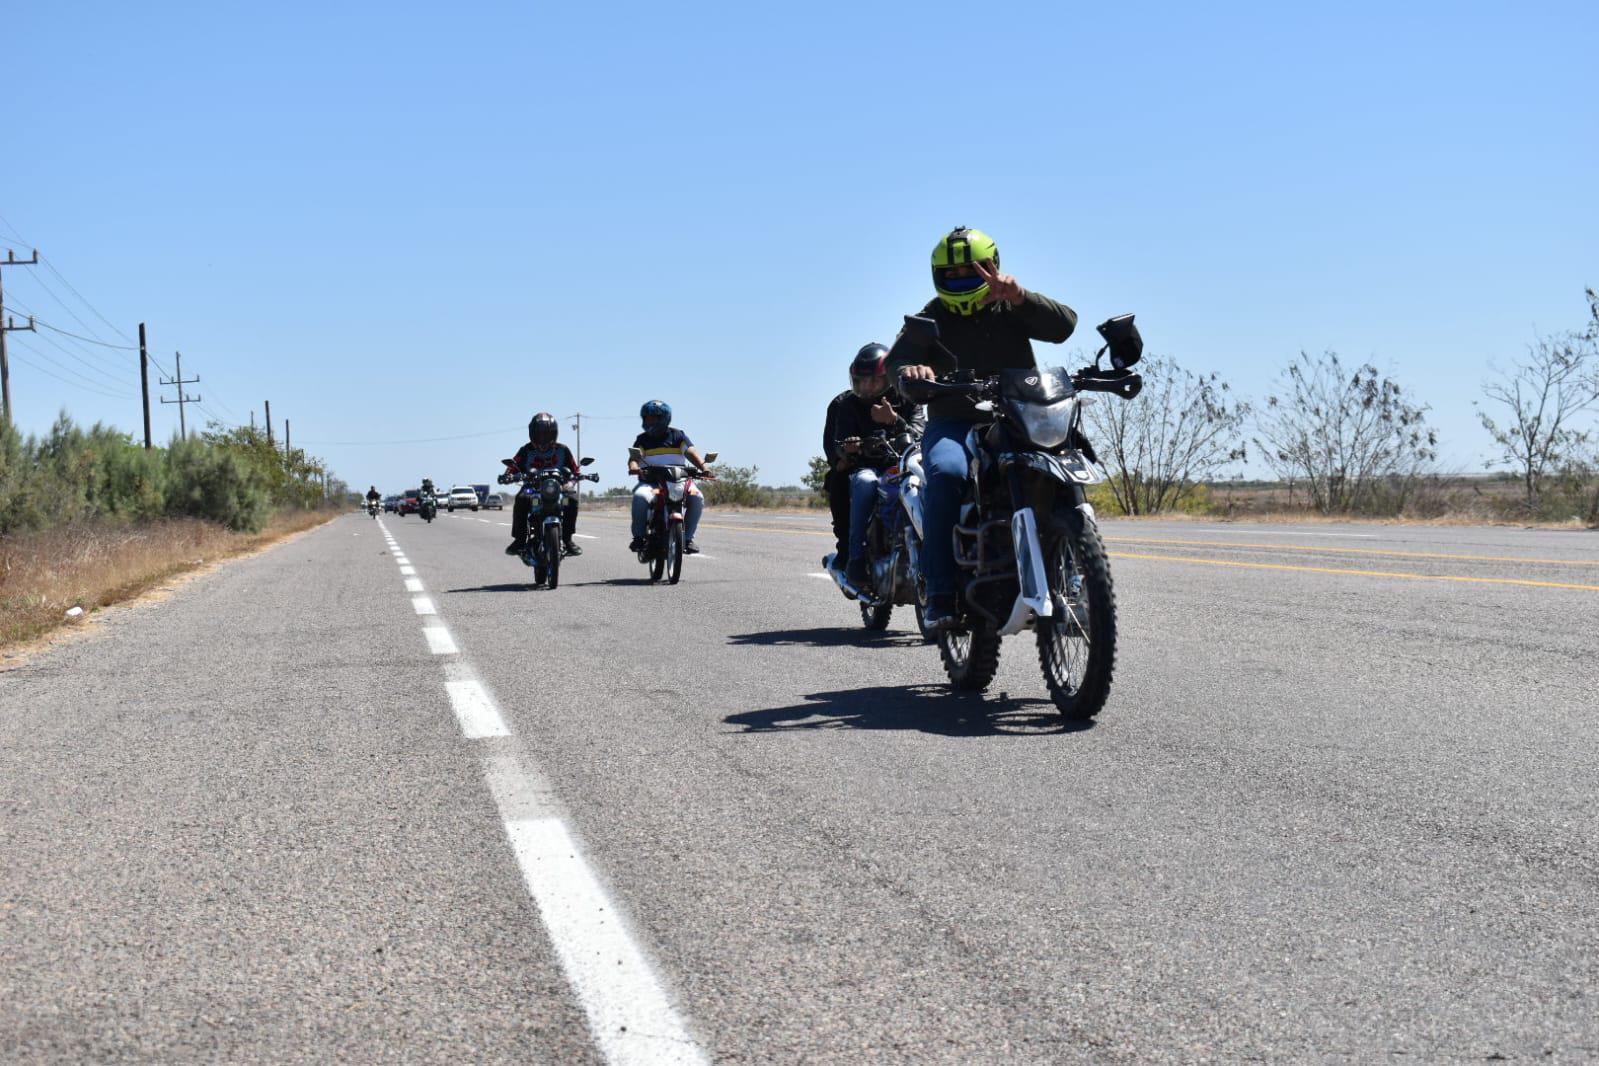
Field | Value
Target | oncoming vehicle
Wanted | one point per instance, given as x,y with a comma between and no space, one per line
664,537
494,502
893,535
410,502
390,503
462,496
1026,540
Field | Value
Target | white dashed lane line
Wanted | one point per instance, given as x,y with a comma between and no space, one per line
439,640
477,714
423,605
408,571
413,585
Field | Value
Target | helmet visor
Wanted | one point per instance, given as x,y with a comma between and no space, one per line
957,280
869,387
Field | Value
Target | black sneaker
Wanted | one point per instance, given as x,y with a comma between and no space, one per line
691,548
636,544
939,614
516,547
572,549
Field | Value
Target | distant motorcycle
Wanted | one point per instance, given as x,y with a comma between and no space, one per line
893,534
428,506
663,533
1027,541
546,491
372,508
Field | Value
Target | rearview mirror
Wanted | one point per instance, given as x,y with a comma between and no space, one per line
1123,340
710,457
585,461
921,329
635,454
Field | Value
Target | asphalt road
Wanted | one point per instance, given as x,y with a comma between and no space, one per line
1342,806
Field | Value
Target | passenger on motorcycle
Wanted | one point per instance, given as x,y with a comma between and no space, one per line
662,445
871,407
542,451
988,322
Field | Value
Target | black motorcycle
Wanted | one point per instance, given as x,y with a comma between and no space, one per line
893,532
427,506
546,491
1027,543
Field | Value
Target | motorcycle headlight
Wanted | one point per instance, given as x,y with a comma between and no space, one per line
1046,425
550,489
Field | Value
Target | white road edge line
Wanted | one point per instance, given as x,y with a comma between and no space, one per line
439,640
823,574
423,605
475,711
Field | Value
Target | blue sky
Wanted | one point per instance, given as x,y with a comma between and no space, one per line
401,221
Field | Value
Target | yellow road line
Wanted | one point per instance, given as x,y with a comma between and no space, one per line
1358,573
1349,551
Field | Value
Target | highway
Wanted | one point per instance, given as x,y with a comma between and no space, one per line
368,797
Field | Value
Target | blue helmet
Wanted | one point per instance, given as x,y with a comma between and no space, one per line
656,416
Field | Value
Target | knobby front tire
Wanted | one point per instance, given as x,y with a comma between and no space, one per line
1077,655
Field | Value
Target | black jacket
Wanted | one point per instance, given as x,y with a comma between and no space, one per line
850,416
998,337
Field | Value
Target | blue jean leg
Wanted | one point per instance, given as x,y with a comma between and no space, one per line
946,465
862,499
643,496
693,507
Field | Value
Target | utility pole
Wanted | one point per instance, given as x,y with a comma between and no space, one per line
577,424
268,404
144,384
288,449
10,326
183,397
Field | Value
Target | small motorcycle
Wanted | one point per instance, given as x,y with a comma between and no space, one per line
428,506
663,534
546,491
1027,542
893,534
372,508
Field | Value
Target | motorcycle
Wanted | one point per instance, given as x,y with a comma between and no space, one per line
546,491
893,535
663,532
1027,541
372,508
428,506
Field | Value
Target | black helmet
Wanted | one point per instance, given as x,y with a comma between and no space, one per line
868,371
543,429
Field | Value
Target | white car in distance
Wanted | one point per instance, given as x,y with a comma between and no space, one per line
462,496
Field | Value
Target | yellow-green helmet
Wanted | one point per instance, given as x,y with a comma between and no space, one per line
963,247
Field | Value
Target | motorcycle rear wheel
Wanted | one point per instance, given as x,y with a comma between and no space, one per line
876,618
1077,659
552,552
674,553
971,656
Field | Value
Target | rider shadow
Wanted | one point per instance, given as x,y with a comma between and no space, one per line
827,637
617,581
519,586
923,708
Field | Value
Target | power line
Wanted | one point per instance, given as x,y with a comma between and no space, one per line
416,440
69,352
89,340
82,383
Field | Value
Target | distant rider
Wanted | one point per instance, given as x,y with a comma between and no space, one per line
870,407
988,322
543,451
372,495
662,445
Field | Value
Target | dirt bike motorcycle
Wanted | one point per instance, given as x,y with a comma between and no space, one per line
547,490
664,538
1027,545
893,534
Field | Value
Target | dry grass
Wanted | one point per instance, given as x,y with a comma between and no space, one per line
43,575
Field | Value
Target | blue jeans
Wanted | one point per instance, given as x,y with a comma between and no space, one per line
946,464
644,496
862,501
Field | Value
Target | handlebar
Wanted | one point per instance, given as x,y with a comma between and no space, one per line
1123,383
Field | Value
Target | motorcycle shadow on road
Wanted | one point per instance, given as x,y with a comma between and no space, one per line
826,637
922,708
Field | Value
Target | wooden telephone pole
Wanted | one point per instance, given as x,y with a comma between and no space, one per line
183,398
10,326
